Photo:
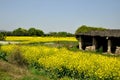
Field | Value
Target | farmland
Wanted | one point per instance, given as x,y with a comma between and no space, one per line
58,58
39,39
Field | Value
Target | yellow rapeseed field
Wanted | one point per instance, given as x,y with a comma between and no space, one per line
25,39
69,63
82,65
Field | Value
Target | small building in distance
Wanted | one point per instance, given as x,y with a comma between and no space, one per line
106,40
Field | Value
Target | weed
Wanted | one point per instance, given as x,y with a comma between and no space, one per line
3,56
17,58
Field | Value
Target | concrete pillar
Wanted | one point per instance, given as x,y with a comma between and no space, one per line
109,46
80,43
93,44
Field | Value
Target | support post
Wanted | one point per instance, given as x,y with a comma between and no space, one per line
80,43
109,46
93,44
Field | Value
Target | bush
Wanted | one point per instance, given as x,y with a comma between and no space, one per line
20,32
3,56
2,36
17,58
35,32
61,34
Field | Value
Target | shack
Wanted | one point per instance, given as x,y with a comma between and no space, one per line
107,40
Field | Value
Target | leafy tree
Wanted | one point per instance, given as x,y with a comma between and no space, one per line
60,34
2,36
9,33
70,35
63,34
35,32
32,32
85,28
39,32
20,32
52,34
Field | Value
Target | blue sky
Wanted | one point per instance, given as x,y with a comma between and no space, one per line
59,15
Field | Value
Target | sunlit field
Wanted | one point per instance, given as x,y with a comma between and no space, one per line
25,39
60,63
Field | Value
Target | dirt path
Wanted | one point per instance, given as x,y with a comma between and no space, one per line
8,42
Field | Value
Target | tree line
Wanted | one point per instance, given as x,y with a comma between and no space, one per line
34,32
39,32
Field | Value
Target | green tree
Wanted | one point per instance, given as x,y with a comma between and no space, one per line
85,28
2,36
20,32
9,33
70,35
32,32
63,34
39,32
52,33
60,34
35,32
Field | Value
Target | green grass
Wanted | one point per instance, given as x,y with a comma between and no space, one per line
12,72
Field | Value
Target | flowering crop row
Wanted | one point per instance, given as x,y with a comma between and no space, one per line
25,39
67,63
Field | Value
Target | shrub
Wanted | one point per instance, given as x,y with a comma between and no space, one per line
2,36
3,56
17,58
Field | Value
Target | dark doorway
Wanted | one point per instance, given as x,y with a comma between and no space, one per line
101,44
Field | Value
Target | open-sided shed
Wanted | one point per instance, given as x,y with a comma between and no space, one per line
108,40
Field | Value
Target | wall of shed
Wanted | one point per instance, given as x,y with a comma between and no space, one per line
114,43
101,44
98,43
85,41
93,43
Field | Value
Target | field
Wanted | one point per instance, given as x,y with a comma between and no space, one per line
59,59
39,39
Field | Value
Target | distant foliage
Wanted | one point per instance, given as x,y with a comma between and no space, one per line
2,36
9,33
24,32
20,32
35,32
85,28
61,34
